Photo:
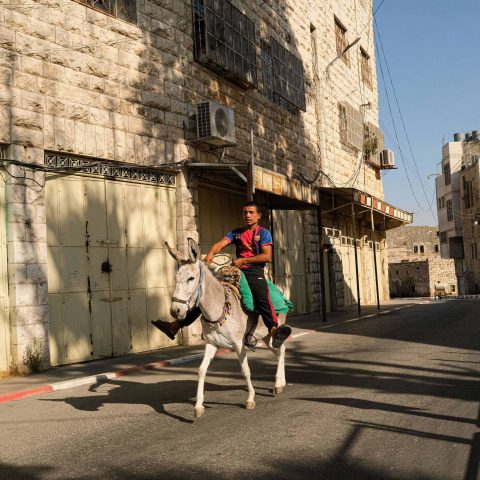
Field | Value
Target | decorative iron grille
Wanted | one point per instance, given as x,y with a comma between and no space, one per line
224,41
109,169
351,126
282,76
124,9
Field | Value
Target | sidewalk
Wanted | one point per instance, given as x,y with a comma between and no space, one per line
69,376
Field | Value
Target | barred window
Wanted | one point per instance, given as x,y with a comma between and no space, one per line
224,41
447,174
373,144
351,126
449,211
341,41
282,76
366,69
124,9
468,198
3,152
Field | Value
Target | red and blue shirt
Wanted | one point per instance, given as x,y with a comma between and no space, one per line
249,243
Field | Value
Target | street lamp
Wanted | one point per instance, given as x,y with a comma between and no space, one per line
345,50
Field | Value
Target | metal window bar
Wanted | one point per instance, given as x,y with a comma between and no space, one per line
224,40
283,79
3,152
123,9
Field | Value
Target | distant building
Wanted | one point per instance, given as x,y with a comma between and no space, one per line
415,266
458,206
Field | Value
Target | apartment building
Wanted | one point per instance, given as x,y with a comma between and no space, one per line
128,123
457,190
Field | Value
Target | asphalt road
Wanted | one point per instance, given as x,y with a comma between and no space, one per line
393,397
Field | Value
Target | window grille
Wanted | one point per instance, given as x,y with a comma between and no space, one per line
446,173
224,41
351,126
341,41
468,198
282,76
366,69
124,9
449,211
3,152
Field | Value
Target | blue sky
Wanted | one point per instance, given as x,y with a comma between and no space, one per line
432,48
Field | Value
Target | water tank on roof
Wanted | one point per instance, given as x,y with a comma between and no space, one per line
476,135
468,137
459,137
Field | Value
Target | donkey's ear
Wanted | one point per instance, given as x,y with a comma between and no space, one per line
175,253
193,250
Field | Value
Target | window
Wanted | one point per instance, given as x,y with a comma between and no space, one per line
468,199
446,173
449,211
443,237
441,202
422,248
282,76
415,249
435,248
124,9
351,126
474,251
3,152
452,288
341,41
224,41
366,68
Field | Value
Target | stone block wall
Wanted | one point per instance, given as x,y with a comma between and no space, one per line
74,80
401,242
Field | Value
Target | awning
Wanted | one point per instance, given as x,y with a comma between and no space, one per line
290,194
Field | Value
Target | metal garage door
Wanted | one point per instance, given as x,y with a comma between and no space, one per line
108,271
4,324
219,213
290,257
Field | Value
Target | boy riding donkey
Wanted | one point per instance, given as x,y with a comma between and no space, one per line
253,250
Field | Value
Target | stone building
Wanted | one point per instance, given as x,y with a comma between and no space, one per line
457,190
415,266
129,123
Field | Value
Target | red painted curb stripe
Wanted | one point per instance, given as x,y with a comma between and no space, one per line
8,397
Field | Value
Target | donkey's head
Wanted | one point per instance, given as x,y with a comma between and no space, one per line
188,288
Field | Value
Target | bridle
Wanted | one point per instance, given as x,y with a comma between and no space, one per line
198,292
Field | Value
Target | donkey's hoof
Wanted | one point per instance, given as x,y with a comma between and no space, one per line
199,411
277,390
250,405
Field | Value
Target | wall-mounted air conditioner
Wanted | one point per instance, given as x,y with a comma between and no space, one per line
387,159
213,124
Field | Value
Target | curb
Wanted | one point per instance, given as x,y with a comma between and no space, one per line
102,377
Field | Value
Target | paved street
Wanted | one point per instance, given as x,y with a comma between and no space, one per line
391,397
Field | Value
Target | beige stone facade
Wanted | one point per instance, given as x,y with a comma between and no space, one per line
457,190
76,81
415,265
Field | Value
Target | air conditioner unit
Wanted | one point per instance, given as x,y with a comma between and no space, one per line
215,125
387,159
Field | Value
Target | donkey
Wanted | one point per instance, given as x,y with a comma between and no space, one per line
225,323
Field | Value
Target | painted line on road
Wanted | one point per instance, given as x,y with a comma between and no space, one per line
103,377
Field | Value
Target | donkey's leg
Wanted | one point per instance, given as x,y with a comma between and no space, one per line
280,381
242,358
210,351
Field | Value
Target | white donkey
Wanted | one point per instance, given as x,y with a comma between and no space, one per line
224,322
